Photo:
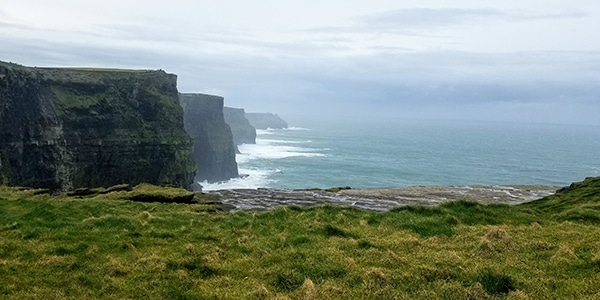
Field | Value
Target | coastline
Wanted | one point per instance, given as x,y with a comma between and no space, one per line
382,199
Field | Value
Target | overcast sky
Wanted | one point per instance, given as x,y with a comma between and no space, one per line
510,60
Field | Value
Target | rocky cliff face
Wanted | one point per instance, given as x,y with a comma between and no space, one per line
213,142
266,120
68,128
243,132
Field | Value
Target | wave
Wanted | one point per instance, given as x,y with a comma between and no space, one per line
267,150
265,132
297,129
261,164
249,179
270,131
285,141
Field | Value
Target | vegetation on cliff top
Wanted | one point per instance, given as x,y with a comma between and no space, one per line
578,202
61,247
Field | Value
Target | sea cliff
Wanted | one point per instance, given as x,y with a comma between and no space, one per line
242,130
66,128
214,149
266,120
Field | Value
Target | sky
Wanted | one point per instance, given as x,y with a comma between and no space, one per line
512,60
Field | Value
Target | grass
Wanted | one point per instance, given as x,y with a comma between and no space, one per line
579,202
101,246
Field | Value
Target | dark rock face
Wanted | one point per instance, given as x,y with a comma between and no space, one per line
243,132
213,142
575,185
64,129
266,120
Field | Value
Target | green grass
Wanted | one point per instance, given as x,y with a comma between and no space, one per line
580,202
99,245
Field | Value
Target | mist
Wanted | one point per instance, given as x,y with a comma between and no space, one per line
502,61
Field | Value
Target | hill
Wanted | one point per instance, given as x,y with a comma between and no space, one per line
104,246
578,202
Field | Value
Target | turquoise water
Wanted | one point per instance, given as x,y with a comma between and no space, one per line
405,153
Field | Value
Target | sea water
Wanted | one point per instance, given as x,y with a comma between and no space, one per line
417,152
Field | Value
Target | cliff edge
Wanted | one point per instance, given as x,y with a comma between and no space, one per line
66,128
242,130
266,120
214,149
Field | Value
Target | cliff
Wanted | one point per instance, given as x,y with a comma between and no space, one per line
64,129
242,130
266,120
213,142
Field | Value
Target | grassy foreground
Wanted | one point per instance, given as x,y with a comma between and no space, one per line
60,247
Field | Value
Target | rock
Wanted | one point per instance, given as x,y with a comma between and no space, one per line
575,185
380,199
81,192
144,193
266,120
214,149
163,198
66,128
242,130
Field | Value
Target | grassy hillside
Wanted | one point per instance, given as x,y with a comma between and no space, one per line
101,246
578,202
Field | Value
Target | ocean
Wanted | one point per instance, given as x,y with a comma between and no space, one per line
416,152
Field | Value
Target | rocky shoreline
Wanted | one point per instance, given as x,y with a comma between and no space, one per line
381,199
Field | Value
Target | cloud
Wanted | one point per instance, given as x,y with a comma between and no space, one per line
428,18
421,21
389,79
420,18
11,26
349,69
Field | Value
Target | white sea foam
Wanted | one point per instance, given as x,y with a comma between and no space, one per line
285,141
249,179
297,129
265,132
270,131
253,177
273,149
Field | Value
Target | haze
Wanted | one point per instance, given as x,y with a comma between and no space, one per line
518,61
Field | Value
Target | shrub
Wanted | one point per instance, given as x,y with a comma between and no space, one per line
496,284
331,230
287,281
430,227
